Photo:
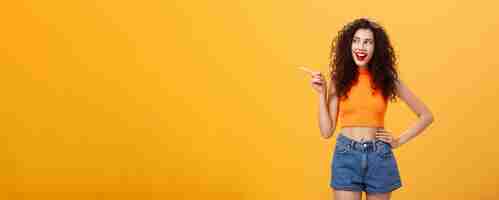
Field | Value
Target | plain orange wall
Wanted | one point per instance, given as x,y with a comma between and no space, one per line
202,99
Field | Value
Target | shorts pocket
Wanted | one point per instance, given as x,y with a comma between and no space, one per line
385,169
342,148
384,151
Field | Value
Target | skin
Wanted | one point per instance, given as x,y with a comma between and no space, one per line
363,41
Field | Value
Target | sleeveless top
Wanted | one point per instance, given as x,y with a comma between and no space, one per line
364,106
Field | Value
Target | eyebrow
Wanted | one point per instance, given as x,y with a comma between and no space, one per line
369,39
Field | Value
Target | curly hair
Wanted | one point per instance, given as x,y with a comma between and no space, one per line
343,69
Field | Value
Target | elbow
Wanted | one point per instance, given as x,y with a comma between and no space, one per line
428,118
326,134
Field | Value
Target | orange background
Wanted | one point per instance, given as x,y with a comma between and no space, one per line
202,99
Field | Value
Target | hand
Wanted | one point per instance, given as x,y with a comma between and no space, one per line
318,82
386,136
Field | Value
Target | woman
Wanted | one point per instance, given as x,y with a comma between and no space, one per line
363,80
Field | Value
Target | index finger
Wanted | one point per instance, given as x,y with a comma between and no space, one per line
308,70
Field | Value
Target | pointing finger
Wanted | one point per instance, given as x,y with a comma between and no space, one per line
305,69
311,72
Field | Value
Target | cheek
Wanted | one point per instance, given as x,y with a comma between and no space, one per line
371,51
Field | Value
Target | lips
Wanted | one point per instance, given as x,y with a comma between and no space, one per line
360,55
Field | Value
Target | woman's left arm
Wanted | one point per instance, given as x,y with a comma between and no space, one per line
419,108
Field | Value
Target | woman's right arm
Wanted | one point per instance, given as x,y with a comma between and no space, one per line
328,103
328,111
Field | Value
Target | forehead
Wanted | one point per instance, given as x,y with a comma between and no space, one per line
363,33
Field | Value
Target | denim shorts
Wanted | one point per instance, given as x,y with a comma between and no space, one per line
368,166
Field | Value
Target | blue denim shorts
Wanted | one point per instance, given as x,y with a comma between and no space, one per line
368,166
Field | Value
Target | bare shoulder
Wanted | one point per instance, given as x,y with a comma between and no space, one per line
411,99
404,92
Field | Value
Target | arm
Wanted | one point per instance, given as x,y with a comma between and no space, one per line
328,109
419,108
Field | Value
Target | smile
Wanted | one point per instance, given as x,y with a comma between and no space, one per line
360,55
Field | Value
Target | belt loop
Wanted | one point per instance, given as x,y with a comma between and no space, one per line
362,145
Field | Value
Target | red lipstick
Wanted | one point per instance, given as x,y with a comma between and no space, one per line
360,55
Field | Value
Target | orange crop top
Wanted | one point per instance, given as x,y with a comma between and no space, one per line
364,106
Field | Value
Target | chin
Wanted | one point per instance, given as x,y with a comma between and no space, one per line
359,64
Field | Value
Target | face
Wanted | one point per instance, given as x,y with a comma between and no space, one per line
362,47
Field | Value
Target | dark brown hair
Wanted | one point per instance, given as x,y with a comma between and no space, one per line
344,71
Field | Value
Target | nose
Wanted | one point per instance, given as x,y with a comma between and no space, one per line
363,46
360,47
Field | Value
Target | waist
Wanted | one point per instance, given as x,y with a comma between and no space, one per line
360,133
363,146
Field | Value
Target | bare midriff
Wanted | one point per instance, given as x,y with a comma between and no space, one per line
360,133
